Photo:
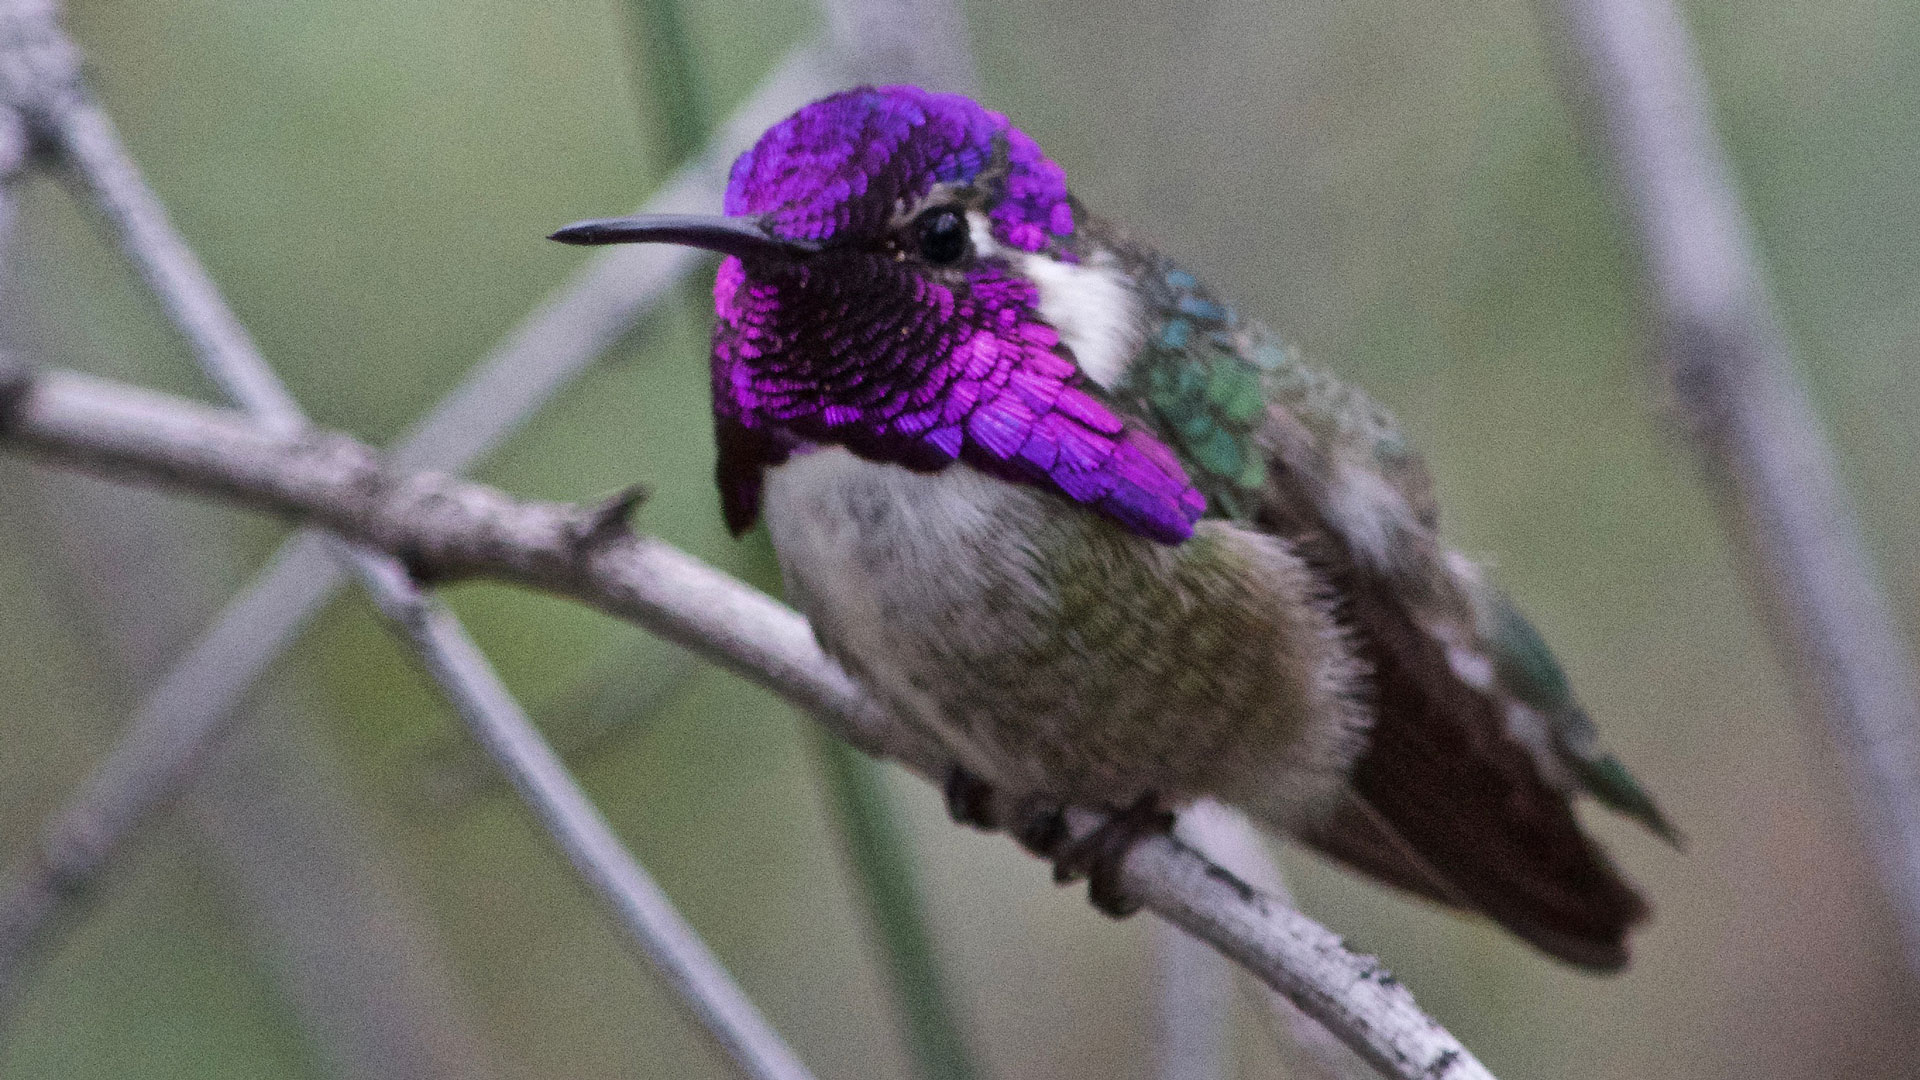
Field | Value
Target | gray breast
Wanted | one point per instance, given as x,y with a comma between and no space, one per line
1053,651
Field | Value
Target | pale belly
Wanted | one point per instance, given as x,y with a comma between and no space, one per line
1053,652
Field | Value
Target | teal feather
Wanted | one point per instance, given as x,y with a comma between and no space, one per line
1527,669
1203,391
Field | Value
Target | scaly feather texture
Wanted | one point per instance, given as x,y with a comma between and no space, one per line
1059,505
964,370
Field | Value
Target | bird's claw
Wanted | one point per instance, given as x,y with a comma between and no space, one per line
970,800
1101,854
1039,824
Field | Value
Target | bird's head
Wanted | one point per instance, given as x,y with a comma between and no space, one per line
905,277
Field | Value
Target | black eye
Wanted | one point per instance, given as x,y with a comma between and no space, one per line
942,232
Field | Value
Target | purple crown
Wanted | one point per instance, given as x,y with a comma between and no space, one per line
846,163
855,348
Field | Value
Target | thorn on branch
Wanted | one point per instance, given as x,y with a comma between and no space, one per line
421,571
429,570
608,520
970,800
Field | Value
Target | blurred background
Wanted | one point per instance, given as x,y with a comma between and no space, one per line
1398,188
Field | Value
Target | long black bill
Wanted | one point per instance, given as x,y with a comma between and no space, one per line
728,235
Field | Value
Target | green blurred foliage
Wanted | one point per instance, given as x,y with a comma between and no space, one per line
1399,188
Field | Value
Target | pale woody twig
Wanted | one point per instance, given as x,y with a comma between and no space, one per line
40,72
446,528
58,104
1732,376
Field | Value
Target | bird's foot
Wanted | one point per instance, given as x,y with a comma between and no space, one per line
1039,824
1100,855
970,800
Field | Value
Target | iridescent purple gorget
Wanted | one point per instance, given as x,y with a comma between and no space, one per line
863,346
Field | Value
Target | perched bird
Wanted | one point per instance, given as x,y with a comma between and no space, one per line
1113,545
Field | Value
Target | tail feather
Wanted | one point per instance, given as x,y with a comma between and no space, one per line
1541,878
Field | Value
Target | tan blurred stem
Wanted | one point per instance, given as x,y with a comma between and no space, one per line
445,529
888,880
1632,66
913,41
41,74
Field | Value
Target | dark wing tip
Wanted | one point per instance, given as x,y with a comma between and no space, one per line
1573,905
1593,956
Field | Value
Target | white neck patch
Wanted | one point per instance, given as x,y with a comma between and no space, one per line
1090,303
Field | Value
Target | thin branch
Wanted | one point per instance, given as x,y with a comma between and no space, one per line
641,908
1733,377
40,71
83,139
446,529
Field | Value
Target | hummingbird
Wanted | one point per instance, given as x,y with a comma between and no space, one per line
1114,546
